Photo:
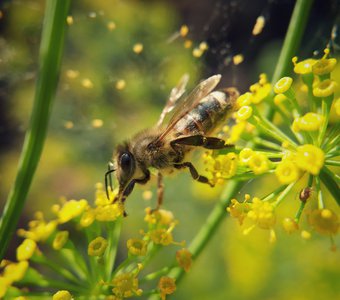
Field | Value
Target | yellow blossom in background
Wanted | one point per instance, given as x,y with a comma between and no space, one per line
15,271
290,225
126,285
324,221
325,88
137,247
62,295
26,249
184,259
97,246
304,66
71,209
167,286
39,230
60,239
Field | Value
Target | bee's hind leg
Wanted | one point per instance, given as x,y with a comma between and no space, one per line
193,172
201,140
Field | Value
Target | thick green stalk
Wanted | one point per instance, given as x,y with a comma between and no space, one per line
51,48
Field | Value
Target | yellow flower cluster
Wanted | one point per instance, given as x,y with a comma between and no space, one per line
298,144
92,272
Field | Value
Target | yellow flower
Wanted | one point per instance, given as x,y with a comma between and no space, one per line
97,246
161,236
289,225
260,90
310,158
283,85
4,284
303,67
244,99
71,209
239,210
60,240
39,230
237,131
324,221
87,218
309,122
226,165
184,259
166,286
324,65
324,88
279,99
137,247
62,295
287,172
109,212
262,213
159,216
16,271
26,249
259,163
245,155
244,113
126,285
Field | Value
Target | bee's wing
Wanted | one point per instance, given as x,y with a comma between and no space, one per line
175,94
199,92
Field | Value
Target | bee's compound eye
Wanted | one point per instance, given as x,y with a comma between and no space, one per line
126,162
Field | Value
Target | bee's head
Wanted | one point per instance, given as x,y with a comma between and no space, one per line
124,165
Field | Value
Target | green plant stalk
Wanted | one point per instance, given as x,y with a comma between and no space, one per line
206,232
51,49
291,43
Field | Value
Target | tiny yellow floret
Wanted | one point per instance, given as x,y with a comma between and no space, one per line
184,30
259,25
259,163
62,295
97,247
290,225
120,84
310,158
26,249
184,259
303,67
283,85
137,247
166,286
325,88
60,240
287,172
244,113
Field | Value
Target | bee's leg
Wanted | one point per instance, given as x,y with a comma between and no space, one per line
193,172
201,140
160,190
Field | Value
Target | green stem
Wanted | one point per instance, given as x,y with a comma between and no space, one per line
51,49
291,43
206,232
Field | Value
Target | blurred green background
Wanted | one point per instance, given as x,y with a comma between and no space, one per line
107,92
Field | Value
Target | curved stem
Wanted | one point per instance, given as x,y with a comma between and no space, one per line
291,43
51,49
207,231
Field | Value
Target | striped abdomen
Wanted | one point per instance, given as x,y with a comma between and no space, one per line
208,114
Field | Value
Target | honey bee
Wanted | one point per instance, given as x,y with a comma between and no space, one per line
166,148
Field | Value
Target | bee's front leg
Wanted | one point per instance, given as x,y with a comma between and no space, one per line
201,140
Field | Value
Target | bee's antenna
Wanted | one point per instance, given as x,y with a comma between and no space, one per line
108,175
